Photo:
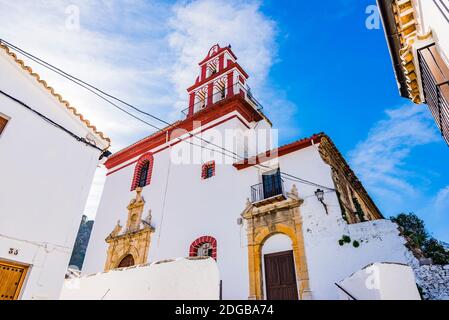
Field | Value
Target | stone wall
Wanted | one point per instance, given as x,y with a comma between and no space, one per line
433,280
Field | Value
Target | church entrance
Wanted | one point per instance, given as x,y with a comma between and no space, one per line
280,276
11,280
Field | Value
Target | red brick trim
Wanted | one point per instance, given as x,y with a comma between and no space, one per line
200,241
205,167
217,75
216,111
219,51
146,158
279,152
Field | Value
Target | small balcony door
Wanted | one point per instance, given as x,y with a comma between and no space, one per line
272,184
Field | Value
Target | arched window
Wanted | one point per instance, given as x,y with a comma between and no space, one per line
144,174
143,171
208,170
127,261
205,246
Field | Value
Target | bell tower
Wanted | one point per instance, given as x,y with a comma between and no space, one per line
220,77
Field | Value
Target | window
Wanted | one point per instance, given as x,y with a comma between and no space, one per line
143,171
208,170
144,174
272,183
3,122
205,246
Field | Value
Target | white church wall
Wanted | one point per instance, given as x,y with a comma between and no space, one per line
173,280
191,208
45,180
327,261
195,207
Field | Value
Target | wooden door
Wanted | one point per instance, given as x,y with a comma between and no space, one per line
280,277
11,280
127,261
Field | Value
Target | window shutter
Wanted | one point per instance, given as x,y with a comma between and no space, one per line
3,123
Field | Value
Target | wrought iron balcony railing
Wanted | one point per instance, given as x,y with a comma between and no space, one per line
237,89
435,85
267,192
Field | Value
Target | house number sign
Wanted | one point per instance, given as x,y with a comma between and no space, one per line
13,251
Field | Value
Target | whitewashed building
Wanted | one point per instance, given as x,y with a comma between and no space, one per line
417,33
48,156
287,224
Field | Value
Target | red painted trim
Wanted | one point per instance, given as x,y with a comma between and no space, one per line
191,103
279,152
193,250
218,74
210,94
221,62
231,84
220,50
203,73
146,158
209,114
205,167
179,141
123,167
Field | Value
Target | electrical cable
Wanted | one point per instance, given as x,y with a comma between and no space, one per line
95,91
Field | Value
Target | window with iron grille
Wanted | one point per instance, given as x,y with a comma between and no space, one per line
143,175
208,170
435,85
143,171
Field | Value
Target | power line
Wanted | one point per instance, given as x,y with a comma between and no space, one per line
53,123
96,91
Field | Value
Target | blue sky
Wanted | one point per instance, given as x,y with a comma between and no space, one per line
315,67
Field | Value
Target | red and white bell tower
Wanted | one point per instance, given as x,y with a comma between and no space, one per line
221,77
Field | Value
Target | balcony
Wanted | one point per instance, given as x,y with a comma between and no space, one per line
435,85
271,190
237,89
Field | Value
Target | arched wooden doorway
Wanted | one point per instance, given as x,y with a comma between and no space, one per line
127,261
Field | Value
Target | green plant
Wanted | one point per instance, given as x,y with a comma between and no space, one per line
356,244
346,239
414,230
341,242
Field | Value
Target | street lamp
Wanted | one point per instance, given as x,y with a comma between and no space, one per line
320,196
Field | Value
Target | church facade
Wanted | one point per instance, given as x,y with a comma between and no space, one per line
282,222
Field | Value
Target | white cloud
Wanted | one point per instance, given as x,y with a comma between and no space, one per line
146,52
380,160
441,203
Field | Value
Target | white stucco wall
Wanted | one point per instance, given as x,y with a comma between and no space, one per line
185,207
431,18
381,281
182,279
45,180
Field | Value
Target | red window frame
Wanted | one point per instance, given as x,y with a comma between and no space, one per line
199,242
146,158
206,167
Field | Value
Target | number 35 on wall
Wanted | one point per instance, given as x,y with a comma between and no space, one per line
13,251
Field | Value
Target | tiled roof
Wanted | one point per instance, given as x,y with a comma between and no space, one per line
56,95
